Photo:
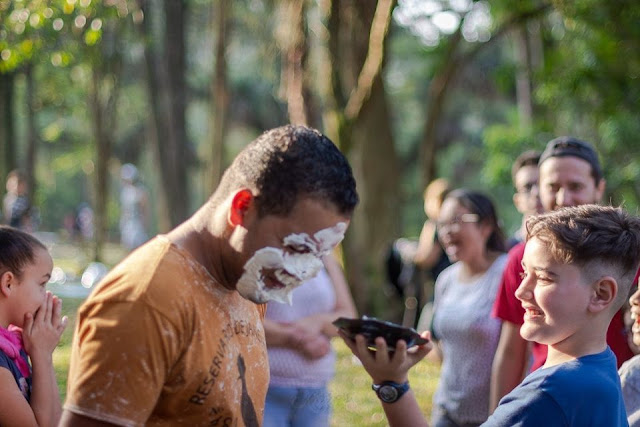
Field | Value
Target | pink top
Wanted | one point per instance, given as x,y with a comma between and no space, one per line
288,367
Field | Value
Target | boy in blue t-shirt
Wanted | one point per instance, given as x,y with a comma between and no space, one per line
579,264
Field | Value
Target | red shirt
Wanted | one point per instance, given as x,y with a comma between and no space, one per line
508,308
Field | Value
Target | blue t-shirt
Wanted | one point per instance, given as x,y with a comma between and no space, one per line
24,383
582,392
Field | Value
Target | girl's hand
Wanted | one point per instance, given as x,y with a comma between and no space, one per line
385,366
41,333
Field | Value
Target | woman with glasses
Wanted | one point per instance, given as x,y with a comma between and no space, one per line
466,333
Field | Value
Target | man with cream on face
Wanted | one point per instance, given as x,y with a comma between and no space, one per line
173,335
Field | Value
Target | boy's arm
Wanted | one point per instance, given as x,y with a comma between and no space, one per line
404,412
383,366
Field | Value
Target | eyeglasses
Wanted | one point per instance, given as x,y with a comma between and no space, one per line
455,223
527,188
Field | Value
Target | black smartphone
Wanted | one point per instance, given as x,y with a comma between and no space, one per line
372,328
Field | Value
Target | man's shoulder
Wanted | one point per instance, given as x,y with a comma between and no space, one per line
157,271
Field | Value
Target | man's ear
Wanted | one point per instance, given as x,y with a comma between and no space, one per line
7,281
604,293
240,204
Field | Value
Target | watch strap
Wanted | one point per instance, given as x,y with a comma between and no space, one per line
390,391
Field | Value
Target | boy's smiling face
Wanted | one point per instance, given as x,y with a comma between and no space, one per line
554,295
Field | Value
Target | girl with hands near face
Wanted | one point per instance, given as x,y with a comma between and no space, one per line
30,328
389,371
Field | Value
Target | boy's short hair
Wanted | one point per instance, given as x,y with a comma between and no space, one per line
568,146
601,240
528,158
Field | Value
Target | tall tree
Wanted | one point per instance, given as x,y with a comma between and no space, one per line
168,100
358,120
7,132
220,12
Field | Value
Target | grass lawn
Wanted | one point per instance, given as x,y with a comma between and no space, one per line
355,404
62,353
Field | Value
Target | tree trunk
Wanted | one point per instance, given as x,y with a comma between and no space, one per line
358,121
436,98
157,127
524,96
103,96
101,160
32,134
167,98
173,89
291,40
219,94
376,222
8,160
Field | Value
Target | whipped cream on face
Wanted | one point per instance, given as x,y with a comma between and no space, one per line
290,269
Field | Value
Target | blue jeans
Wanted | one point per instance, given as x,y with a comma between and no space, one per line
293,407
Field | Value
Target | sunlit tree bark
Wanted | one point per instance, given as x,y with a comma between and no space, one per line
167,96
358,121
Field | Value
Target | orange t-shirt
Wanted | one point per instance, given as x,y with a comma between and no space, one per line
160,342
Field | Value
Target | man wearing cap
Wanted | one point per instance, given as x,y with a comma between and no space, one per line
570,175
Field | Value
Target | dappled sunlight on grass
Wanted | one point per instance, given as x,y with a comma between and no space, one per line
355,404
62,353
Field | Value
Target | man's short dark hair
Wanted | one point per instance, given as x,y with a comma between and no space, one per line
601,240
528,158
568,146
288,162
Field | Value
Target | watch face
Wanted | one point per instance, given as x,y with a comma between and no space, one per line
388,393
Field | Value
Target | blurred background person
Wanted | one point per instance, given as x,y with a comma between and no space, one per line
134,212
463,329
16,205
430,257
301,360
524,175
630,370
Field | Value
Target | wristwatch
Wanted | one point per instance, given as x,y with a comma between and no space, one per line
389,391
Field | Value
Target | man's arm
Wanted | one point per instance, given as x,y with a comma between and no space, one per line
508,364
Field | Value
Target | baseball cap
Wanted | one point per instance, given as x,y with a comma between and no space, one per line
568,146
